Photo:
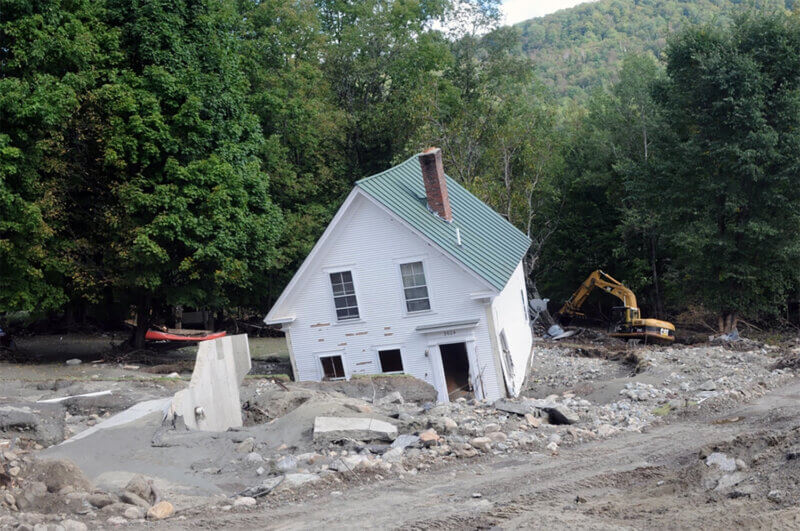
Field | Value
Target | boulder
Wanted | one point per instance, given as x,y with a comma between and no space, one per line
133,513
392,398
721,461
286,463
135,499
140,486
497,436
429,437
481,443
161,510
73,525
100,499
395,455
244,501
405,440
331,429
59,473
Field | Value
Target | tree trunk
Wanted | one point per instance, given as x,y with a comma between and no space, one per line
143,320
728,322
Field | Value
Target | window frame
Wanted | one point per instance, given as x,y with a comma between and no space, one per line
351,268
329,354
399,263
380,348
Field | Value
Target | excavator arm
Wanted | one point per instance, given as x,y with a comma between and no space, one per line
607,283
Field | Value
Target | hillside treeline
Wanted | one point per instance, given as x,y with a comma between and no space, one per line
155,154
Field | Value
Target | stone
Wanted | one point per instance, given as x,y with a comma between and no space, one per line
481,443
497,436
9,499
729,480
212,401
519,408
741,465
246,446
606,430
139,485
263,488
254,457
116,508
117,520
463,450
392,398
395,455
135,499
73,361
14,471
561,414
260,470
405,440
286,463
162,509
295,480
331,429
533,421
133,513
710,385
429,437
721,461
553,447
775,496
244,501
58,473
449,425
489,428
73,525
100,499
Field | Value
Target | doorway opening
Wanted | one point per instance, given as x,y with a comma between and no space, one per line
455,362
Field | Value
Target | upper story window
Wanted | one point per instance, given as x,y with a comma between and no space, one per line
415,287
344,295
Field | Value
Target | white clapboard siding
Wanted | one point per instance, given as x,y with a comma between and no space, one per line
511,316
369,242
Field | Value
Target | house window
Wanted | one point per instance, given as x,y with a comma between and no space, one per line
391,360
414,287
332,367
344,295
507,354
524,305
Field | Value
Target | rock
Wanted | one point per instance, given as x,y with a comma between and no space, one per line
14,471
553,447
73,525
721,461
161,510
135,499
775,496
449,425
606,430
519,408
741,465
561,414
477,495
133,513
331,429
295,480
140,486
481,443
246,446
392,398
9,499
533,420
254,457
464,450
429,437
497,436
729,480
359,408
100,499
490,428
244,501
286,463
555,438
73,361
117,520
58,473
405,440
116,509
260,470
710,385
395,455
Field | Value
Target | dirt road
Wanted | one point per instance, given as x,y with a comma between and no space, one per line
632,481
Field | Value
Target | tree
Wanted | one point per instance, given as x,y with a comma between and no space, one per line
731,102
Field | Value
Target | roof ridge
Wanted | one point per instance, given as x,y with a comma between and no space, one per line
364,179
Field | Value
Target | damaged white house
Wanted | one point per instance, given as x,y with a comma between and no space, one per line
413,275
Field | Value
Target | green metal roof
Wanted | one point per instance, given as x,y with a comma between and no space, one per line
490,245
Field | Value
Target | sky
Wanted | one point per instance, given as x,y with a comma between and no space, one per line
519,10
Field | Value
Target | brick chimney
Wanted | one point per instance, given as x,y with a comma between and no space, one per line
430,161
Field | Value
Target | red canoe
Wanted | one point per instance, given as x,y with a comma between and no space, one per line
155,335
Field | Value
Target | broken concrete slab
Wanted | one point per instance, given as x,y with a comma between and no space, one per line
330,429
131,414
557,413
211,402
41,422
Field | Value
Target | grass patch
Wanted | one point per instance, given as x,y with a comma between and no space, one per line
662,411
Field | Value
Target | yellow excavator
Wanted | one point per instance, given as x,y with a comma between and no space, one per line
626,320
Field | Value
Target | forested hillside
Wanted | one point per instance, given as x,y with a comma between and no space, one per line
577,49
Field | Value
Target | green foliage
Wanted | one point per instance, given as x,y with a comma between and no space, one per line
579,49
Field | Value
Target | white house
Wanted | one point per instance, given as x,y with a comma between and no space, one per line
413,275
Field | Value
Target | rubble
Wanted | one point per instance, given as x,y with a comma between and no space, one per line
332,429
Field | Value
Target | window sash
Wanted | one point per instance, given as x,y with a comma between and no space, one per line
344,295
415,288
